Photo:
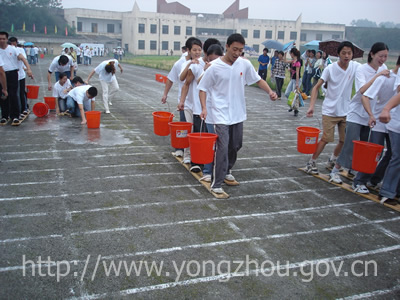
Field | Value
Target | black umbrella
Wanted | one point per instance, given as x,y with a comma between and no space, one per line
330,47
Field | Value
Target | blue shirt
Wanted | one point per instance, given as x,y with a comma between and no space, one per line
263,59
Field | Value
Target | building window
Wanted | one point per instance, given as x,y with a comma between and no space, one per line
177,30
165,29
281,35
303,37
164,45
110,28
189,30
177,46
141,28
153,28
318,36
141,44
256,34
153,45
293,35
244,33
94,27
256,48
126,47
334,36
268,34
79,29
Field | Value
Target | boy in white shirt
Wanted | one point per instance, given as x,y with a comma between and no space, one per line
60,90
339,76
81,99
224,81
60,64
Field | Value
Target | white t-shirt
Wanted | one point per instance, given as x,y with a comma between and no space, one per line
173,75
397,82
1,62
58,89
192,101
10,58
55,67
101,70
21,71
394,124
357,113
79,94
226,84
382,91
340,85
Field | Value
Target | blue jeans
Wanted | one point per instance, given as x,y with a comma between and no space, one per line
377,138
207,170
390,186
62,104
73,107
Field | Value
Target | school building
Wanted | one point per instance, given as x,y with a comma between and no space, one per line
155,33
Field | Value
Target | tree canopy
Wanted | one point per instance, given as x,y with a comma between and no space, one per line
34,3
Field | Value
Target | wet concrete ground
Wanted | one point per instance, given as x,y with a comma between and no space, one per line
74,201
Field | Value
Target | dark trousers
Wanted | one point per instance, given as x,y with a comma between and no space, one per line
23,103
10,106
279,84
263,73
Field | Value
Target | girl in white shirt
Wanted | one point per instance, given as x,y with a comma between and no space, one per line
60,91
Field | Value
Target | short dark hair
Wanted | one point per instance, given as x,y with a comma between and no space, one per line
61,75
184,48
345,44
280,52
189,41
195,41
398,61
209,42
235,37
4,33
76,80
265,49
376,48
313,51
13,39
215,49
63,60
92,91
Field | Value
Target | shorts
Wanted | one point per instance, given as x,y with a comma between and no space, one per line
328,124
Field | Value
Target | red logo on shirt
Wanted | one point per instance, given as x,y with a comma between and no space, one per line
241,74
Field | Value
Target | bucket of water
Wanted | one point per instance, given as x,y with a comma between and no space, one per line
93,119
33,91
40,109
202,147
179,134
307,139
51,102
161,120
366,156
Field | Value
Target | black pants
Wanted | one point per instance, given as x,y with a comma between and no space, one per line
263,74
23,103
279,84
10,106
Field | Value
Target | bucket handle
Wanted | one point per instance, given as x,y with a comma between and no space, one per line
319,122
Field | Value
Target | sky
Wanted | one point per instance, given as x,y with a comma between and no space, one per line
336,11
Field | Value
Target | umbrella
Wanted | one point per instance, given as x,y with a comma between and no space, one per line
69,45
288,46
330,47
272,44
248,48
313,45
28,44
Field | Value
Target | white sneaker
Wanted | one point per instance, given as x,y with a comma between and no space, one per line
334,177
107,112
186,160
229,177
206,178
217,190
109,103
178,153
360,188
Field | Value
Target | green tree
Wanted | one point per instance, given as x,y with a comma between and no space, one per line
34,3
363,23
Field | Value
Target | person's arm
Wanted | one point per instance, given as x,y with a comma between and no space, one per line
297,77
185,90
184,73
3,82
384,117
82,114
262,84
71,69
49,80
168,86
90,76
203,99
27,66
367,106
120,67
369,83
313,98
93,105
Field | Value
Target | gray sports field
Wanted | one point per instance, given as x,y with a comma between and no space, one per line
109,213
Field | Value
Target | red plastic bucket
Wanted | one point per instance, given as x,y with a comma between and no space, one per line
202,147
366,156
93,119
40,109
161,78
161,120
33,91
51,102
307,139
179,134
